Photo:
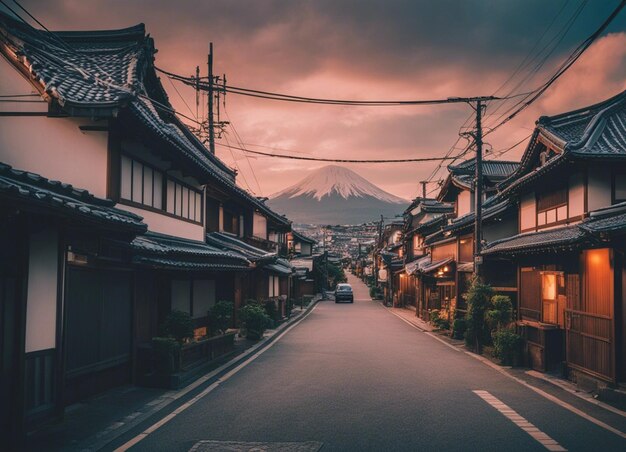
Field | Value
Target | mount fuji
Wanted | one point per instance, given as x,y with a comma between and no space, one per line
335,195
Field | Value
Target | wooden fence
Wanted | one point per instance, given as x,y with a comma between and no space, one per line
590,343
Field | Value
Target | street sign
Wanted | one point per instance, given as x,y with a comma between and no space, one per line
478,260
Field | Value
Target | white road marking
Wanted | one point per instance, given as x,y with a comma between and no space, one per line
550,397
522,423
585,397
206,391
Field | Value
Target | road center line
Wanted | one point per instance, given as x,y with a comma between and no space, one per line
518,420
130,443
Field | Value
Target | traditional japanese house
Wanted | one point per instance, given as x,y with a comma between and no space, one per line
91,285
451,247
421,218
299,244
50,234
569,249
388,254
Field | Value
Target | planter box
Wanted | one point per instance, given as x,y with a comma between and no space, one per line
192,360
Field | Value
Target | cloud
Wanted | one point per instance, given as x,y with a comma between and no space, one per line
363,49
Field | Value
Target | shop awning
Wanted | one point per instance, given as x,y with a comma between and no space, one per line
437,264
467,267
414,266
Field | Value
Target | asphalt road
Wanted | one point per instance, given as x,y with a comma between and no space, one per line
355,377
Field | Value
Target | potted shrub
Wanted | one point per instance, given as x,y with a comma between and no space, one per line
221,315
178,325
507,346
254,320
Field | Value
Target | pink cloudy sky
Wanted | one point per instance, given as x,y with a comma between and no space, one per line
361,49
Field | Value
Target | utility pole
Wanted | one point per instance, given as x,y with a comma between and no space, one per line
478,189
423,183
210,102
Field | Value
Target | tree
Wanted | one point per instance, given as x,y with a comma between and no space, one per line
478,299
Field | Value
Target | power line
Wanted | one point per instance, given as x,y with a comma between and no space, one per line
191,81
319,159
564,67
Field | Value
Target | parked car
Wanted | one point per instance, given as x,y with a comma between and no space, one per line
343,292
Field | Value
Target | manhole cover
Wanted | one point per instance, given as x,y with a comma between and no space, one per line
242,446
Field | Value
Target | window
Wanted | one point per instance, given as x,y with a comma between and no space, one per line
193,296
147,186
183,201
141,184
552,207
552,291
274,286
619,188
466,249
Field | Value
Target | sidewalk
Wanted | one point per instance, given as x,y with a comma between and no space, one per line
409,315
92,424
607,415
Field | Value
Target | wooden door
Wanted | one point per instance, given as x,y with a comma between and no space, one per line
97,331
12,280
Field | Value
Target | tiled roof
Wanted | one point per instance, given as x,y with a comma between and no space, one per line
600,225
303,238
493,169
430,225
276,268
534,241
227,242
165,251
489,212
416,265
430,205
101,73
99,69
432,266
64,199
597,130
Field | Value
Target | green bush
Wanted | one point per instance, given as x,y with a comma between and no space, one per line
221,316
178,324
289,307
166,352
254,320
507,347
439,319
500,313
478,299
458,328
270,310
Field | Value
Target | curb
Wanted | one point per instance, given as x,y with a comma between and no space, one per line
157,405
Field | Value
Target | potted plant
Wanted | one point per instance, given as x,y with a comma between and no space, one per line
254,320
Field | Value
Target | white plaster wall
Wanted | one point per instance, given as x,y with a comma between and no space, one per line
53,147
464,203
41,300
598,188
164,224
576,202
528,212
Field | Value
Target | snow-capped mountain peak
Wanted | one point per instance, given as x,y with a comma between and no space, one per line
337,180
